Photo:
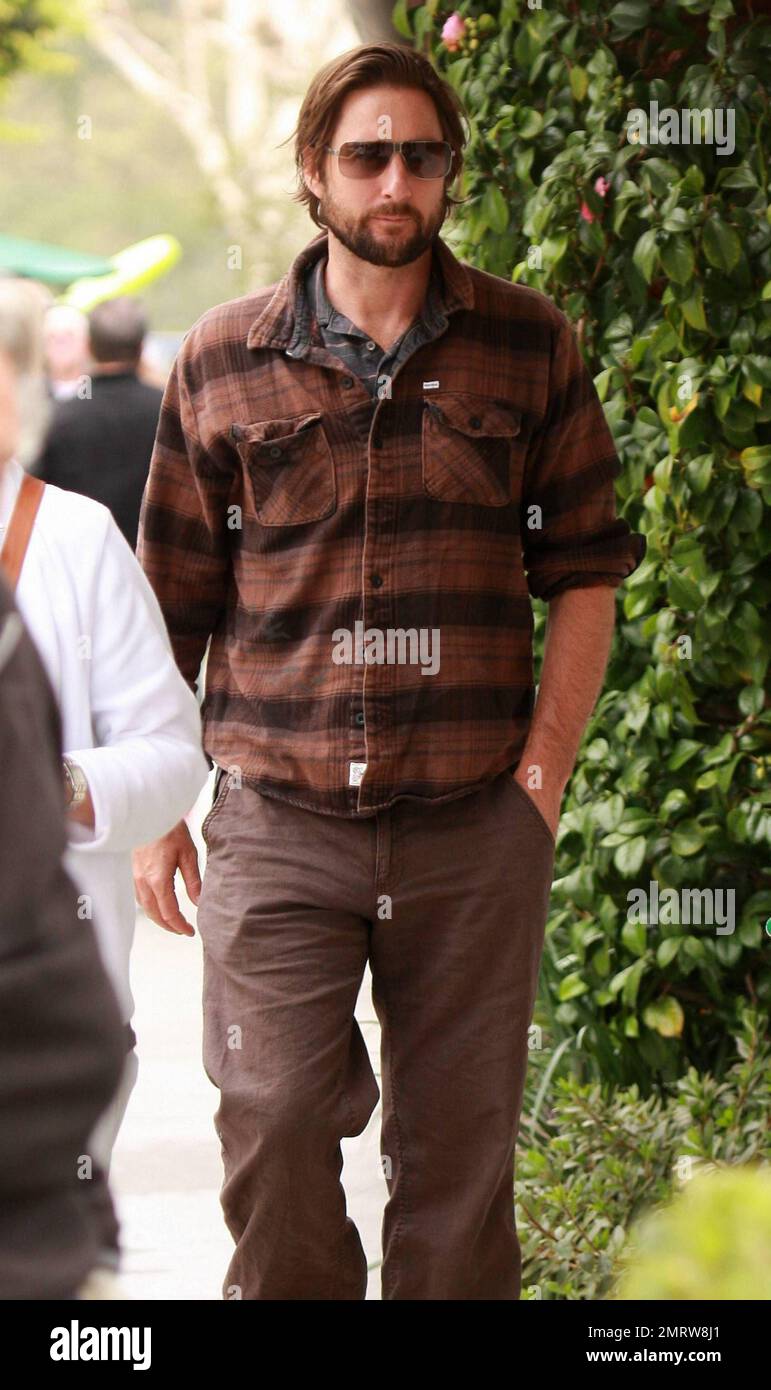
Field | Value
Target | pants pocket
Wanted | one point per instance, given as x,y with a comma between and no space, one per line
221,788
532,809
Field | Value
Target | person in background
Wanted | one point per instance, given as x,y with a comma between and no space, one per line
133,759
66,350
100,442
62,1046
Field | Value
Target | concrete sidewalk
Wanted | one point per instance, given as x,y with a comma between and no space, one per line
166,1170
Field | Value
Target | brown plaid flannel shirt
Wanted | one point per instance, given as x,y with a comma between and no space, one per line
364,566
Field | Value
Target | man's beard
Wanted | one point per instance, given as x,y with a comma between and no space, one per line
400,248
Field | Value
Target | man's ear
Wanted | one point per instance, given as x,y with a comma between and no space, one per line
309,167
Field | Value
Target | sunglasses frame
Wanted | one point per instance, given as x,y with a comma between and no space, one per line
397,147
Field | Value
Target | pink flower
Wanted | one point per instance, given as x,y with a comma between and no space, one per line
587,213
453,31
601,186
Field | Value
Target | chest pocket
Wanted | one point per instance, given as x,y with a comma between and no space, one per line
289,468
467,450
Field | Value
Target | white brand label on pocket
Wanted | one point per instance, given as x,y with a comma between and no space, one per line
355,773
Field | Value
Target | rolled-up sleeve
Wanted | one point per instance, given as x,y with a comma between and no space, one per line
571,535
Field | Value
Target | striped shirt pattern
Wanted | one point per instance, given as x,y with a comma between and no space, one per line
363,556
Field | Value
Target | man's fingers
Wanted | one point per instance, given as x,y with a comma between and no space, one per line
188,867
161,907
148,902
155,865
169,909
144,896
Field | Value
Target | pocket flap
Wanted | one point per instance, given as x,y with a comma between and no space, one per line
476,415
272,440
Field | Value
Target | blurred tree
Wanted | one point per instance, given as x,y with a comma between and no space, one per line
230,75
27,28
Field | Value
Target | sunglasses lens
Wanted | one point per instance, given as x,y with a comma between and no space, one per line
428,159
364,159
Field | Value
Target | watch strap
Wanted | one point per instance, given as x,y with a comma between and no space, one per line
76,780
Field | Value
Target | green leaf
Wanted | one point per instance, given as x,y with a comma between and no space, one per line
751,699
607,814
665,1016
646,255
721,244
571,986
692,310
667,950
494,208
529,123
748,512
633,936
677,259
683,750
683,593
579,82
687,839
629,857
699,472
400,20
629,16
632,982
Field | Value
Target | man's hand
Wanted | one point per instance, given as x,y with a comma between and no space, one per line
547,799
154,868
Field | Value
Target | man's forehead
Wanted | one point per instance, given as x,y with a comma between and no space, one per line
402,105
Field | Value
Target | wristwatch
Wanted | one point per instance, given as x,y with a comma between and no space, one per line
75,783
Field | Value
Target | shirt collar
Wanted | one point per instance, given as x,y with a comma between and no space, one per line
279,324
432,313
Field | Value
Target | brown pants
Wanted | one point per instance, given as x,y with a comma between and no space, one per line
448,903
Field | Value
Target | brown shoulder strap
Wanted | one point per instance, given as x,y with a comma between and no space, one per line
20,527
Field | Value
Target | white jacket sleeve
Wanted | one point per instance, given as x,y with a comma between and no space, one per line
147,766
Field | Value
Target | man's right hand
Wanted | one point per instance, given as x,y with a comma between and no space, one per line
154,867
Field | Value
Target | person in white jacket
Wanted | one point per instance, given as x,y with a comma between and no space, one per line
130,724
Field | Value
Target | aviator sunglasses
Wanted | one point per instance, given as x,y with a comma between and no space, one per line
365,159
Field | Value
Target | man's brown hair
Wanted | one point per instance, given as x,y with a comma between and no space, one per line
372,65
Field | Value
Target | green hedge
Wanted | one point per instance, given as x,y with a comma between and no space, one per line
589,1168
660,255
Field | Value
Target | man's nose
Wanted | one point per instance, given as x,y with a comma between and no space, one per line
395,179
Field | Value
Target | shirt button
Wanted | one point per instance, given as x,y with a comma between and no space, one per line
275,452
359,717
347,381
371,346
376,580
475,422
